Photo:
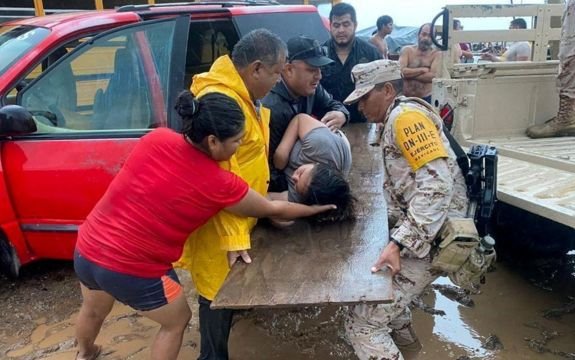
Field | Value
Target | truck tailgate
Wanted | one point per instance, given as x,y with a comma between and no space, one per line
537,175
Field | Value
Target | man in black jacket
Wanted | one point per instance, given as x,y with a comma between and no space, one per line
346,50
300,91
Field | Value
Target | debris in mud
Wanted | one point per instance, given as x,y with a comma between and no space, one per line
464,357
557,313
421,305
493,343
540,346
455,293
43,353
306,327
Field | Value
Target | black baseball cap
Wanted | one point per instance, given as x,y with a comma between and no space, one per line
308,50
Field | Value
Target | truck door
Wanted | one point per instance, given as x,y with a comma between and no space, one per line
90,108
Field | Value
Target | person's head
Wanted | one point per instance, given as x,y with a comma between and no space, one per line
377,84
302,71
214,123
320,184
457,25
424,37
343,24
517,24
259,58
384,25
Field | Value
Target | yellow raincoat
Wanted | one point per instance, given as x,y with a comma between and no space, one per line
205,251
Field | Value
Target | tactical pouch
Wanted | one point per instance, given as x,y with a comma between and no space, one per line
459,239
471,274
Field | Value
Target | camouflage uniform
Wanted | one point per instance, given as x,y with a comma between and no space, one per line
563,124
419,202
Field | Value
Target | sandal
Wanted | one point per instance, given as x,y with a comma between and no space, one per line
94,356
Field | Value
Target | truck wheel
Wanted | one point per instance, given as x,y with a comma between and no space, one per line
9,261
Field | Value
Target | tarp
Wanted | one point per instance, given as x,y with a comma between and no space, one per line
399,37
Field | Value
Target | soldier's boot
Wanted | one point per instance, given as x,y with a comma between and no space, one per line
406,339
561,125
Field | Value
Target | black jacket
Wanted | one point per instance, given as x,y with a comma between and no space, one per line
284,107
337,76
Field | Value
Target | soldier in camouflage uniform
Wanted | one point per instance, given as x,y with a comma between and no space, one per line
423,187
563,124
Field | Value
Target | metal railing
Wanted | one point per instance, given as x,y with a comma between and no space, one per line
539,35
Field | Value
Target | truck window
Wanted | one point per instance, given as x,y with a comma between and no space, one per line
285,25
16,41
207,41
48,61
106,84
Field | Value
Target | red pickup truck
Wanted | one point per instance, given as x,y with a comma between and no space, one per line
96,82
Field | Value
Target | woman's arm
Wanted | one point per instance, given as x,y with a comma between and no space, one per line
298,127
255,205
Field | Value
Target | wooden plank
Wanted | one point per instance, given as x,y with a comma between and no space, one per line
329,264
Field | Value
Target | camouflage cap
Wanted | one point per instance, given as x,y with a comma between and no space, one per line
366,76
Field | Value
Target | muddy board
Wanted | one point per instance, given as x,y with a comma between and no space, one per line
320,264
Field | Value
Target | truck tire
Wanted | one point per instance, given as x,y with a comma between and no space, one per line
9,261
519,232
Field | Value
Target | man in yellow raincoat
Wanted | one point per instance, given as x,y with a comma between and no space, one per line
253,69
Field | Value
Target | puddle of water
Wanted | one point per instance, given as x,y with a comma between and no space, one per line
509,307
452,327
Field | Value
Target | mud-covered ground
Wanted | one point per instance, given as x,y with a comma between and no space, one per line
526,311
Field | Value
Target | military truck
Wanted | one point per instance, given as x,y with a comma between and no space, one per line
494,103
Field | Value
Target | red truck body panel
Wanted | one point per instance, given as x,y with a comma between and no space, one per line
49,184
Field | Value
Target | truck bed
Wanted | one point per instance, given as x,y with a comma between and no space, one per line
537,175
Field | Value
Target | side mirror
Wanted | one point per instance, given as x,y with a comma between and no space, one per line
15,120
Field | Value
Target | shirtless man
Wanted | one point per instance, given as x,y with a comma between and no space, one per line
419,65
384,27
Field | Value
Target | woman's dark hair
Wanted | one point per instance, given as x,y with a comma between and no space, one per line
213,114
328,186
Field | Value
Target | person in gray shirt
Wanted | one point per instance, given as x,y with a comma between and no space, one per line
316,162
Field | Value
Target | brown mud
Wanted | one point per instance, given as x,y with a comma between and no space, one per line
520,314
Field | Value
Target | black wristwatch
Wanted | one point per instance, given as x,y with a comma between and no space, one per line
399,245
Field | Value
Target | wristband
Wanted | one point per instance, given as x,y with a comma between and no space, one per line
399,245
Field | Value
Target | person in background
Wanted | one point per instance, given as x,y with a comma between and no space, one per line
423,187
346,50
384,27
465,56
419,65
300,92
317,162
169,186
563,124
517,51
254,68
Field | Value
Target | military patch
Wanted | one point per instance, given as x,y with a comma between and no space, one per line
418,139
